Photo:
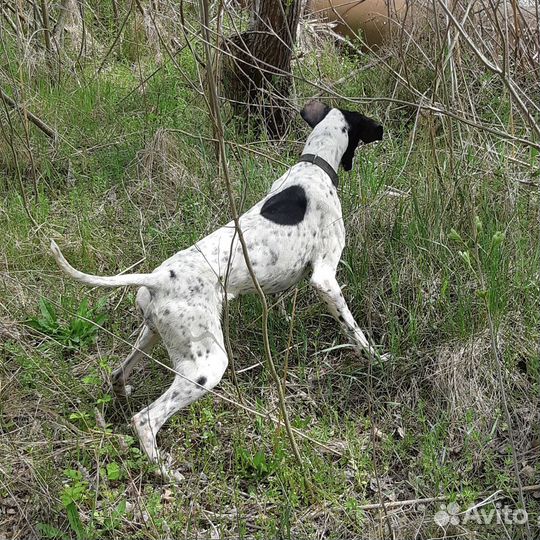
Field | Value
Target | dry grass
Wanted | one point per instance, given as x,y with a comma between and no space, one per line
464,378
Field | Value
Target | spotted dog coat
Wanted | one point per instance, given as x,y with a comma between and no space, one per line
297,227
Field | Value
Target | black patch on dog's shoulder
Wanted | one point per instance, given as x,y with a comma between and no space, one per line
201,380
172,274
288,207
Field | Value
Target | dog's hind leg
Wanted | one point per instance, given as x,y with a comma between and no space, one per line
199,363
146,340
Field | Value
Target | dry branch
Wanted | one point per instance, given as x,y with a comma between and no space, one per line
50,132
46,25
494,68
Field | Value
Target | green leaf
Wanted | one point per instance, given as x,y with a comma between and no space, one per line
47,311
79,416
478,223
83,308
48,531
73,493
121,508
114,472
106,398
498,238
454,235
259,462
100,303
100,319
73,474
465,255
75,521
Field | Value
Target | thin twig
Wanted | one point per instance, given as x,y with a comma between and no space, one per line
32,117
412,502
216,119
115,40
505,78
17,167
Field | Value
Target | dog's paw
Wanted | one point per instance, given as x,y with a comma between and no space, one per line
122,391
167,471
174,476
373,355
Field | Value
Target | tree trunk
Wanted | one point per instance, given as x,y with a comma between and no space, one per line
257,63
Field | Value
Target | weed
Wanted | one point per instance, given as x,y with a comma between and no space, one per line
76,333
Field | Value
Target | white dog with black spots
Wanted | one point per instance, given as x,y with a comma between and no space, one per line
297,228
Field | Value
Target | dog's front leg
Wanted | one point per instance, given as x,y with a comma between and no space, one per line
324,282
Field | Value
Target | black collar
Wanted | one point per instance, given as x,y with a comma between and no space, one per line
323,164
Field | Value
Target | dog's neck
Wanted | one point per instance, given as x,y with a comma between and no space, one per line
329,139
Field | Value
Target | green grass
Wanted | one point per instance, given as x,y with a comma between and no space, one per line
423,292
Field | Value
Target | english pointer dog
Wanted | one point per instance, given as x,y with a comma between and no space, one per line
296,228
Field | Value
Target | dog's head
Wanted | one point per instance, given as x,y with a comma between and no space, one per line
358,126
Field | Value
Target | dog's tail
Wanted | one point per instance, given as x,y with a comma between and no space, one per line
139,280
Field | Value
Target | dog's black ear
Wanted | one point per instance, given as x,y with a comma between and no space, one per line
314,112
360,128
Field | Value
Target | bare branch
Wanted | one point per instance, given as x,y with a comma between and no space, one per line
31,116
